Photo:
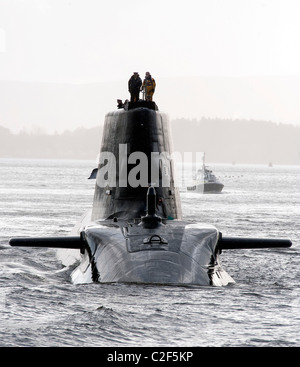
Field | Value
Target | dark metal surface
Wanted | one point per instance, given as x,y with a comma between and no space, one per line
230,243
142,130
72,242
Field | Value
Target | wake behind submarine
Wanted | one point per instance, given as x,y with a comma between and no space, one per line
135,232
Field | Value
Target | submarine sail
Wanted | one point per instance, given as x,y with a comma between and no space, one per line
131,135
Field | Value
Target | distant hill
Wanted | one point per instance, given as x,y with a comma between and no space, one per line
222,140
239,141
78,144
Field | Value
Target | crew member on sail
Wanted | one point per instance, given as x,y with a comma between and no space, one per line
134,86
149,86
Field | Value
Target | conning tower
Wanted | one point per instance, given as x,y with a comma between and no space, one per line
136,149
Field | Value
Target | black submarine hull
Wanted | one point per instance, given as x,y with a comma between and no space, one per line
135,237
135,232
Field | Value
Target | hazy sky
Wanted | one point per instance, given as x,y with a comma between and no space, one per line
95,40
104,42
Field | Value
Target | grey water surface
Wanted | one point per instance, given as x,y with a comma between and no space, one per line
39,306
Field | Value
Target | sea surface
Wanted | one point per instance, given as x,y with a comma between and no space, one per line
39,306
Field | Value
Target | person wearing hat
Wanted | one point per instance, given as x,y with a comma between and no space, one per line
134,86
149,86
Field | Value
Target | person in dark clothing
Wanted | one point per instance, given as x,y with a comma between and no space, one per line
134,86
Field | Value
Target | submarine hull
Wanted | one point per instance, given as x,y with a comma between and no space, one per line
123,244
134,232
176,253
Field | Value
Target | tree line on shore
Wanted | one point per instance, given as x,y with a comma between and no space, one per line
222,140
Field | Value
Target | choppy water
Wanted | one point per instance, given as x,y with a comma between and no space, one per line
39,306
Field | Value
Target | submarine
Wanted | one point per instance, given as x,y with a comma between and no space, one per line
135,231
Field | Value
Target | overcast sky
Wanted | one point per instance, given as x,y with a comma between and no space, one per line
95,40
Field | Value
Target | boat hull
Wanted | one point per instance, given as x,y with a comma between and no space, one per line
209,187
175,253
